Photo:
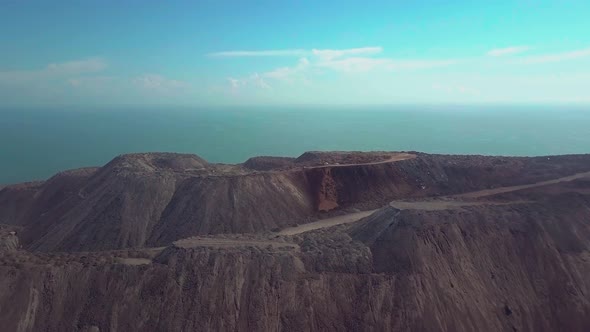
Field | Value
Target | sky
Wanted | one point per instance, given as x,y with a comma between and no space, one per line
202,53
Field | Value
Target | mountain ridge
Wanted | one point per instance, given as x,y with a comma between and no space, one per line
454,243
154,199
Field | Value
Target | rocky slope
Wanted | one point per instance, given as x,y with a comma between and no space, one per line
520,268
8,238
234,204
522,265
154,199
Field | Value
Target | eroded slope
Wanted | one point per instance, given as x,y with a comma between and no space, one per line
157,198
519,267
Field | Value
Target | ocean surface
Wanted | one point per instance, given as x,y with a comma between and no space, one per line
35,144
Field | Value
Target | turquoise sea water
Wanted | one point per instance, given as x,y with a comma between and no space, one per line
34,144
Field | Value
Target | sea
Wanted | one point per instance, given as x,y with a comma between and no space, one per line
37,143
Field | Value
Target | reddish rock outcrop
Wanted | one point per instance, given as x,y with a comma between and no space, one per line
324,188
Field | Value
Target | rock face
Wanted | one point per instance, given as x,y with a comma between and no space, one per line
512,267
326,190
156,198
520,268
16,202
8,241
236,204
113,207
514,259
267,163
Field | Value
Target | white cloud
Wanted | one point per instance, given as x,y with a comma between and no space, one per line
281,73
288,73
508,51
383,64
332,54
255,80
351,60
78,66
367,59
234,82
420,64
90,81
557,57
158,83
258,81
333,60
145,85
55,70
354,64
87,80
285,74
321,53
262,53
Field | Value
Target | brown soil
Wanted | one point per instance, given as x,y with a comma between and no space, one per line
437,204
155,199
460,243
502,190
266,163
209,242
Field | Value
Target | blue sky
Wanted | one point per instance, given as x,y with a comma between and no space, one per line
200,53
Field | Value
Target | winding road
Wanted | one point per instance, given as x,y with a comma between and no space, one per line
440,203
393,158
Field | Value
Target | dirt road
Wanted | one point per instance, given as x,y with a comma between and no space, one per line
442,204
328,222
502,190
396,157
438,205
196,241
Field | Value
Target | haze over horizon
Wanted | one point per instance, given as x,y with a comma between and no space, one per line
271,53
